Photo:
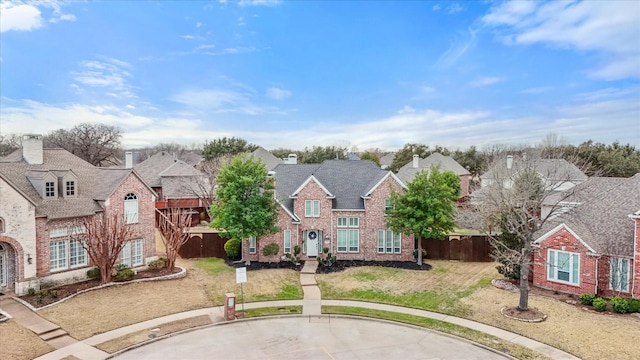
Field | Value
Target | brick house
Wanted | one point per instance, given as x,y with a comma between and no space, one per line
339,205
594,247
44,196
446,163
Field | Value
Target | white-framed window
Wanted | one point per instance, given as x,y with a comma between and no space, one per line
66,254
348,234
58,232
563,266
387,205
388,242
75,230
49,189
287,241
77,254
312,208
132,253
619,274
70,188
131,208
58,255
252,244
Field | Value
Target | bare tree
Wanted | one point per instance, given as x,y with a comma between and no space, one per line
173,226
104,238
524,192
9,143
97,144
204,187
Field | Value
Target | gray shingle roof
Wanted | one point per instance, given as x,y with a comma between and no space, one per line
270,161
550,169
93,184
387,159
347,180
151,168
602,221
446,163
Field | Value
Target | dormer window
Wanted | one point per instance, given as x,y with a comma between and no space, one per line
70,188
49,189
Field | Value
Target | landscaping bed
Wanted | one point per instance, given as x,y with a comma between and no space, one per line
340,265
256,265
47,296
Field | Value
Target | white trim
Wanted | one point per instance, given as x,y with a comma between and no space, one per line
338,210
558,228
295,219
555,267
393,176
327,192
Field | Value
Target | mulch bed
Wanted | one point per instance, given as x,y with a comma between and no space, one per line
44,297
340,265
256,265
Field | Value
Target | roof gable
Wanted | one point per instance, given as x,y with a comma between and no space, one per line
310,179
389,174
542,238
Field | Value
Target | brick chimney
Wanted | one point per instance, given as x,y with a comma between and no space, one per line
32,149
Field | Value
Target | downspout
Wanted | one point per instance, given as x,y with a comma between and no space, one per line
595,291
635,250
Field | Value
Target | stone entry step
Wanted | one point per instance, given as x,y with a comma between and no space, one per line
53,334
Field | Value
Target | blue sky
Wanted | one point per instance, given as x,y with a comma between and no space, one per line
295,74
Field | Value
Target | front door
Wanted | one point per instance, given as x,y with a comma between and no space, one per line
312,242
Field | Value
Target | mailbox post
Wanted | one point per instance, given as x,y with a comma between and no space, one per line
229,306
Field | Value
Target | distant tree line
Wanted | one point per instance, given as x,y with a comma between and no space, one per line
100,145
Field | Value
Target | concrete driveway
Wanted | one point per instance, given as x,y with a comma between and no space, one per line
311,338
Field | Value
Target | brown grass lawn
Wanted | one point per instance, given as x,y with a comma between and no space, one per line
122,305
582,333
19,343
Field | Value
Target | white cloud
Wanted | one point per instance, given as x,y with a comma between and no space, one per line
536,90
463,43
435,7
609,28
28,115
486,80
454,8
19,17
277,94
259,2
109,73
238,99
28,15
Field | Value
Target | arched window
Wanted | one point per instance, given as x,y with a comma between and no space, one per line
131,208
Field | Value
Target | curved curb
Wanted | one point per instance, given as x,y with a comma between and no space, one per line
362,318
538,320
178,275
4,316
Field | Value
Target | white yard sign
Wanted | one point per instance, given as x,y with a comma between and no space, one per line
241,275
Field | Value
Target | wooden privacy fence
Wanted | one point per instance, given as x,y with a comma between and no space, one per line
474,248
209,245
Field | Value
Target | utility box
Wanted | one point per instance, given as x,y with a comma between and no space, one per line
229,306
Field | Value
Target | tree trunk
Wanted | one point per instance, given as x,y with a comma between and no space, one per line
105,273
523,304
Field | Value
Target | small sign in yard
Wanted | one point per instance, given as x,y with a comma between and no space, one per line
241,275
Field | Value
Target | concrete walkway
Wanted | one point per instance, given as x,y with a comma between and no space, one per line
311,307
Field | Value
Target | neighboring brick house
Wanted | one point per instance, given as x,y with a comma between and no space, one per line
446,163
44,196
594,247
339,205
